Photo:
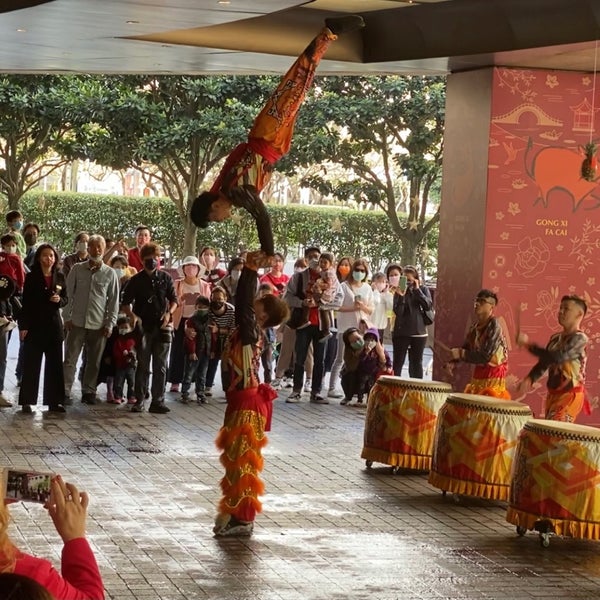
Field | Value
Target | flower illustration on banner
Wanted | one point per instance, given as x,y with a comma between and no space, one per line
548,303
499,216
551,81
500,261
513,208
532,257
504,235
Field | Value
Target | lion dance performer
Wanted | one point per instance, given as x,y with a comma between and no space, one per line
249,166
249,402
485,347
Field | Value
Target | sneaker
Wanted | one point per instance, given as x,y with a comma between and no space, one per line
359,400
346,24
318,399
57,408
174,388
294,398
138,407
4,402
287,382
131,400
208,392
276,383
346,401
307,385
234,528
185,398
201,399
159,408
333,393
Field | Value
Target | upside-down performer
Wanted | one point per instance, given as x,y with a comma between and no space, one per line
485,347
249,166
249,402
564,358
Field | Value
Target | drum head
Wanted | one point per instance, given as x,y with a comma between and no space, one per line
415,384
487,402
563,430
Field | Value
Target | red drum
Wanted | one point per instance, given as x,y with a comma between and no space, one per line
556,479
400,421
475,442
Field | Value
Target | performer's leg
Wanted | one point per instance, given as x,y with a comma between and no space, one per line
275,123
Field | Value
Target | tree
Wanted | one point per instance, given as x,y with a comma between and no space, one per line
35,123
173,129
386,132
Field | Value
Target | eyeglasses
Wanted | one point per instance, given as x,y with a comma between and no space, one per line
360,270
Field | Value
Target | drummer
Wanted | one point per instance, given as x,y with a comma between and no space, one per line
564,358
485,347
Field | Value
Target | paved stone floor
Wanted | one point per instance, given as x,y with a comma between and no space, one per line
331,529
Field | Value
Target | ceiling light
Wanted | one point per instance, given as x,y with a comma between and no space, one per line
132,22
224,2
22,30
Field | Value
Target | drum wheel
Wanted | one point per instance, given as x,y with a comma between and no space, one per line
521,531
369,464
544,540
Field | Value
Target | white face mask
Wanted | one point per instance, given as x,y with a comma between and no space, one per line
120,273
124,330
81,246
380,286
370,344
394,280
235,274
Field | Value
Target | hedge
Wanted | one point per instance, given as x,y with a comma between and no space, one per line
342,231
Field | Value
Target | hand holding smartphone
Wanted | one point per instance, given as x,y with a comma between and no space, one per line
403,283
26,486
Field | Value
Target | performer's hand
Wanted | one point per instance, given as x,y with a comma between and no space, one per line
524,386
258,259
522,339
457,353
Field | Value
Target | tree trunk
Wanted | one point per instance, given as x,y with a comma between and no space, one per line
189,239
13,198
409,251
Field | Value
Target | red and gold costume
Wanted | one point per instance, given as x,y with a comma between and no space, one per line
564,358
249,409
485,346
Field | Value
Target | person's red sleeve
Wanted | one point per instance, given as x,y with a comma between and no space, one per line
80,579
19,271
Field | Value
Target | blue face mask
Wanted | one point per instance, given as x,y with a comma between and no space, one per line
17,225
358,275
150,264
120,273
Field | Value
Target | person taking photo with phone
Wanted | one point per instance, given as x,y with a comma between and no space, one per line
80,577
411,300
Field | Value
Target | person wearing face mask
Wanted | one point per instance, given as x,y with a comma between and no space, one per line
142,236
411,300
188,289
384,303
31,235
14,225
222,322
11,264
230,281
197,351
209,260
80,254
124,358
343,268
90,315
298,296
275,277
357,304
150,297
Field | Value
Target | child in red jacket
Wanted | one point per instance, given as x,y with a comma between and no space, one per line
125,359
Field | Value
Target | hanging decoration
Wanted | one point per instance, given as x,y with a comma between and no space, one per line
590,162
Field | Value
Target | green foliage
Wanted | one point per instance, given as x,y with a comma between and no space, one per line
344,232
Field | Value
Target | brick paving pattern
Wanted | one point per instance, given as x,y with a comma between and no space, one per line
331,529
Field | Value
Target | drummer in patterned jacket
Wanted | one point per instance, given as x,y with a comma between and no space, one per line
564,358
485,347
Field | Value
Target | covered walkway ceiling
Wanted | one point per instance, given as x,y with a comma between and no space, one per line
260,36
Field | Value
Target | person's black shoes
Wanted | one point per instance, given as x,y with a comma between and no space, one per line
57,408
346,24
159,408
26,409
89,399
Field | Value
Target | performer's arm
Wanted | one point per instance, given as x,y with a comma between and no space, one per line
247,197
245,318
572,349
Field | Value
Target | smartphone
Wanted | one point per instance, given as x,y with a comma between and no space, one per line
27,486
402,284
357,298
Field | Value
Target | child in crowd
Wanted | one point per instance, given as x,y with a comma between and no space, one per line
564,358
269,338
384,303
124,354
11,264
197,342
323,291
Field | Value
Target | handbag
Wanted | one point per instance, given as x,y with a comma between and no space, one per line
428,315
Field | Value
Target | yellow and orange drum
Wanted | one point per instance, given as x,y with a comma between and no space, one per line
556,480
400,421
475,441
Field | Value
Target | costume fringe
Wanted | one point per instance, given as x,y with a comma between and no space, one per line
491,491
566,527
490,390
403,461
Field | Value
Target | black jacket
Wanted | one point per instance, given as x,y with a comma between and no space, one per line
409,311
